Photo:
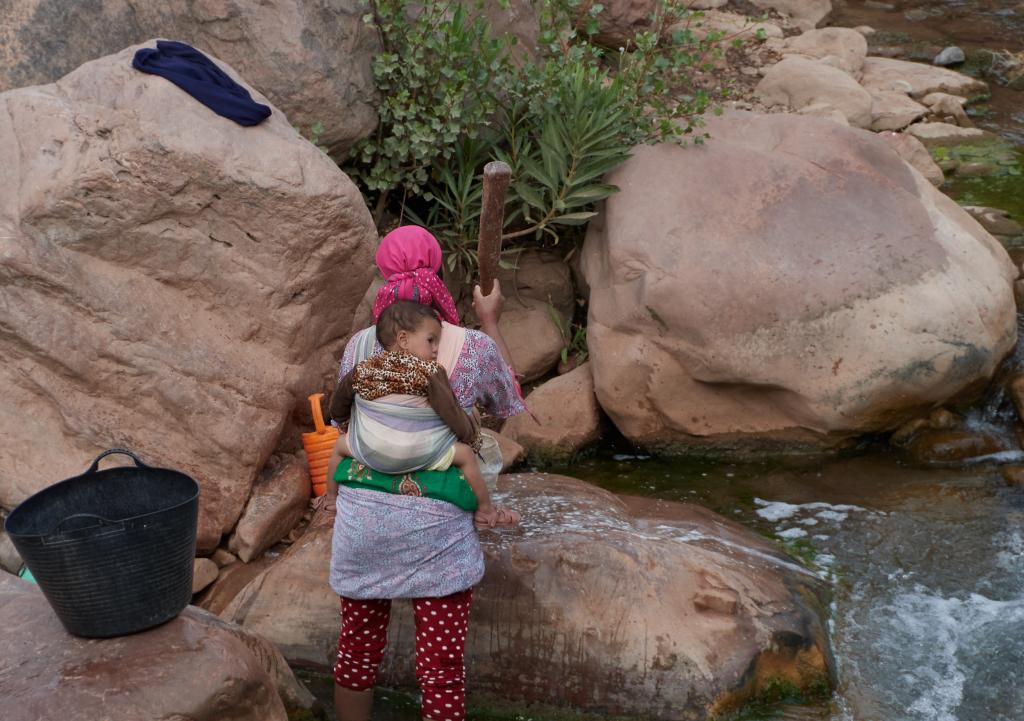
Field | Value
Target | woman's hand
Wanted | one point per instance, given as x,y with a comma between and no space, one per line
325,504
488,307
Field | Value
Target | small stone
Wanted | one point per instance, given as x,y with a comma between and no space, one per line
1013,475
10,559
1015,387
916,15
901,86
975,169
903,435
934,134
944,106
995,220
204,572
943,420
932,99
888,51
223,557
876,5
865,30
565,417
950,56
954,446
894,111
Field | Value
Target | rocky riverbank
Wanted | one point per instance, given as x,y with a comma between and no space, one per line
178,285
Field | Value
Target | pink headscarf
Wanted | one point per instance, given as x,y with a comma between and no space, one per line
409,258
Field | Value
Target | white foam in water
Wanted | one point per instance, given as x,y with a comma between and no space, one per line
778,510
775,510
1000,457
1011,559
929,640
792,533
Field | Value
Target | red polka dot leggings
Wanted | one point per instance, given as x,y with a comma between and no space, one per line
440,640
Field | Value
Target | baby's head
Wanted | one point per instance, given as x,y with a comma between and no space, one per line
408,327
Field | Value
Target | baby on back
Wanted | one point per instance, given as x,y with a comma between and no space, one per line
402,414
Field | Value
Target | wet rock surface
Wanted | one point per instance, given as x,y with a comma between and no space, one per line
623,606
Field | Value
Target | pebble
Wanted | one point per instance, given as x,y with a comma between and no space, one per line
917,14
975,169
875,5
950,56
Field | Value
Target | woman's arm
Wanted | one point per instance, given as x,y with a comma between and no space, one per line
488,312
342,399
442,400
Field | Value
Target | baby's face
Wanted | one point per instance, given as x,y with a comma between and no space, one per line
423,341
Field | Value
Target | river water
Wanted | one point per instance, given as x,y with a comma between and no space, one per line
926,566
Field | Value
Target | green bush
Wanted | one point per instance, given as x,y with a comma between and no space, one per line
454,98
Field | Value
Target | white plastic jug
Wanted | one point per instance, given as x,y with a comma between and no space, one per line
490,461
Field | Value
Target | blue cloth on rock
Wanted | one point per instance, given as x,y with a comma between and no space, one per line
200,77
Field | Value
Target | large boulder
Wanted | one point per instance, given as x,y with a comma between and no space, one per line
194,667
312,58
637,608
171,282
563,420
799,82
793,281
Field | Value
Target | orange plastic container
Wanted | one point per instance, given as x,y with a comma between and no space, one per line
318,446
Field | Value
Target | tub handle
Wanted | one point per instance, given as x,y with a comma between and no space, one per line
96,464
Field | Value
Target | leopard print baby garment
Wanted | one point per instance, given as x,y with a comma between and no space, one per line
388,372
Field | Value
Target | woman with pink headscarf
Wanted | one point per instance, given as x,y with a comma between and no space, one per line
389,546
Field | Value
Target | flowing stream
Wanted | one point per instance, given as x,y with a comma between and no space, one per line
926,566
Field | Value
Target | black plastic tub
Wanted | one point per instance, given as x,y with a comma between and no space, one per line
112,550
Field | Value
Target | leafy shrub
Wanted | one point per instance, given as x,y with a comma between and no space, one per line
454,99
